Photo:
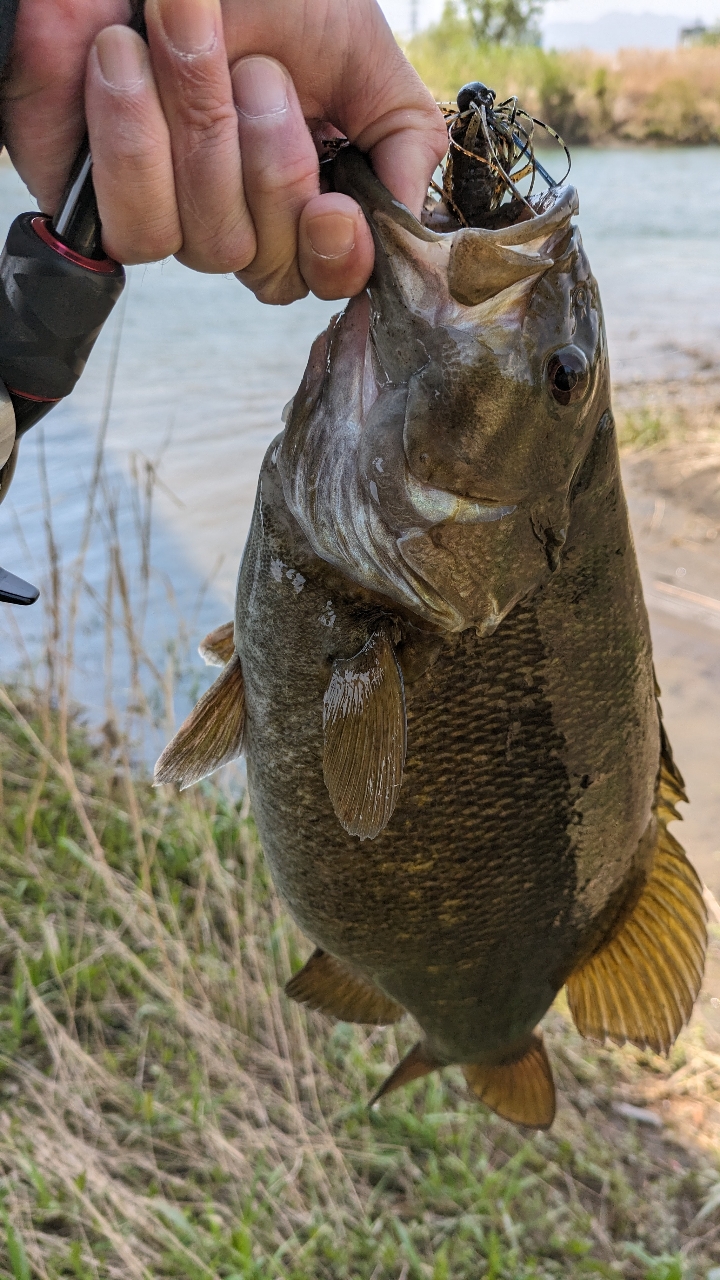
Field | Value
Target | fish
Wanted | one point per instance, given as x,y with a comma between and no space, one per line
440,668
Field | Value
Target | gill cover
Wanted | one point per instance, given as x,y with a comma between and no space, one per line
427,454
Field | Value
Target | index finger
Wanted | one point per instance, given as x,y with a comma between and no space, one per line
43,97
349,70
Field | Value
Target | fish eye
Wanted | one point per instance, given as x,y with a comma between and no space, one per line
568,375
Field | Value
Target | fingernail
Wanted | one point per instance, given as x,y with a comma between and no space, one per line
260,87
122,58
331,235
190,25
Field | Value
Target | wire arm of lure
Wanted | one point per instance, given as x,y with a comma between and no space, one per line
505,176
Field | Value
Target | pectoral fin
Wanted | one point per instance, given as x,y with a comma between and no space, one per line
365,737
642,984
212,734
218,646
522,1091
330,986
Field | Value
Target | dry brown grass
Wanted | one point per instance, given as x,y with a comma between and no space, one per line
167,1112
641,96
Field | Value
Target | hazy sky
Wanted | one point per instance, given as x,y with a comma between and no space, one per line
398,11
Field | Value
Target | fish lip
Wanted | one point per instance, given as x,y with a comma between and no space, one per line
353,176
476,264
438,506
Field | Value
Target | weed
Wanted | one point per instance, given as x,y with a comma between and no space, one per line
167,1112
645,96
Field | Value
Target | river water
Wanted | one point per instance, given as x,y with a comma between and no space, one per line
203,372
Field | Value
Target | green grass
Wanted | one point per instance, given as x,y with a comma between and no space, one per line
165,1111
643,428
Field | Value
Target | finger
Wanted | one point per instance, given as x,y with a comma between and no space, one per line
403,130
130,145
336,250
193,79
42,97
280,174
348,69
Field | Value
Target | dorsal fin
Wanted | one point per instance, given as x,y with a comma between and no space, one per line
522,1091
212,734
218,646
365,734
330,986
641,985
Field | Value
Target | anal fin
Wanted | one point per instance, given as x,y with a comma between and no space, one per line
641,985
211,735
328,985
218,646
365,735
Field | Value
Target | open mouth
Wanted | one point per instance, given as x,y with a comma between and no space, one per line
491,172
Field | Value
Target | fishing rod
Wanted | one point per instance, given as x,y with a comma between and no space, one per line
57,289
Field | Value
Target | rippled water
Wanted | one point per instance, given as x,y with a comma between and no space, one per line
204,371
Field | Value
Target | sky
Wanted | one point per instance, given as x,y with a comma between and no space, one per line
571,11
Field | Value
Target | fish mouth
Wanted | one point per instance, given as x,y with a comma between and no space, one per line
437,506
451,557
472,265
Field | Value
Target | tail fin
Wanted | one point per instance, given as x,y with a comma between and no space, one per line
418,1062
522,1091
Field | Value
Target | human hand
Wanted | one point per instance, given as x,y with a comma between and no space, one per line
202,144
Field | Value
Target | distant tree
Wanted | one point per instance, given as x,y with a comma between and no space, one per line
505,21
699,34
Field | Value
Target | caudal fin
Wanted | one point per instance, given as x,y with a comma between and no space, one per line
522,1091
418,1062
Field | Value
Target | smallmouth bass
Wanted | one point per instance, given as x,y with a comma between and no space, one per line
440,668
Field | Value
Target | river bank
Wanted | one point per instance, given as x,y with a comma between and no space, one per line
166,1112
639,96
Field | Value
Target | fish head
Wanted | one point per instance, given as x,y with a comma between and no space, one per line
433,449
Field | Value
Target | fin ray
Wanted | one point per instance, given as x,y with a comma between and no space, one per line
218,646
522,1091
326,984
417,1063
211,735
658,949
365,736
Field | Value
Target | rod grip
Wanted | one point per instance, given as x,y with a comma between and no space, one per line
53,304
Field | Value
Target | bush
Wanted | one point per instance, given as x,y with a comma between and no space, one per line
639,96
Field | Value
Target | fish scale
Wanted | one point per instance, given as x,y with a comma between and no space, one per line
442,679
465,810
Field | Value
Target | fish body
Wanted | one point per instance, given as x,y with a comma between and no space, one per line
455,755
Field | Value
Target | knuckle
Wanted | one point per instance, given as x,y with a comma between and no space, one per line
208,116
145,244
278,287
287,179
218,256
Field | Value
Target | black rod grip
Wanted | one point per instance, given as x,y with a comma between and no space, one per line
53,304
